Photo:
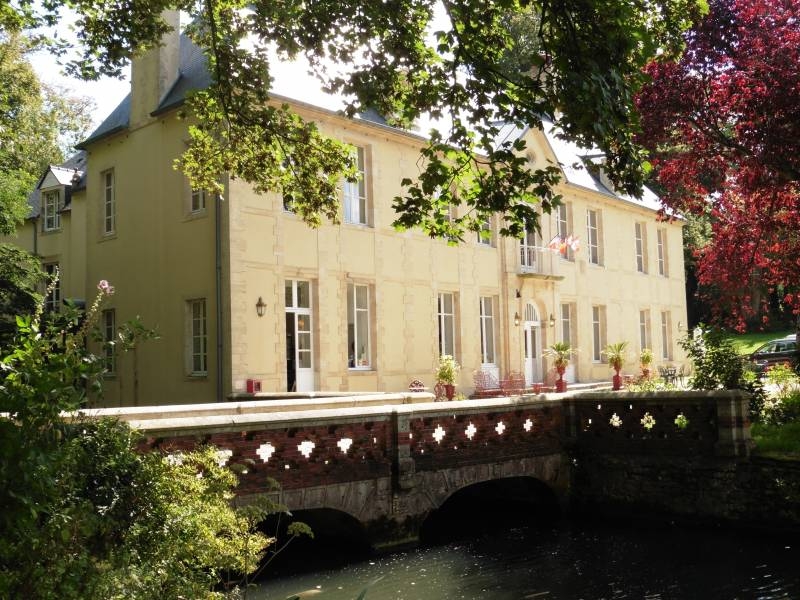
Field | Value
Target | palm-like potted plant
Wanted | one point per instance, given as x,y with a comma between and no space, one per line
615,353
446,374
645,360
561,352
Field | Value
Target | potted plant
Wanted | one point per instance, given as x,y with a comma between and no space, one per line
561,353
446,374
645,360
615,353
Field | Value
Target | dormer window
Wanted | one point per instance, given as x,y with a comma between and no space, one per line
51,210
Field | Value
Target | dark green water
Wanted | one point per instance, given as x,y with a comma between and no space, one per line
570,561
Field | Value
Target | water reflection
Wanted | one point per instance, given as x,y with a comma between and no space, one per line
568,562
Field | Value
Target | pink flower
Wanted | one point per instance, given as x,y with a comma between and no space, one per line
105,287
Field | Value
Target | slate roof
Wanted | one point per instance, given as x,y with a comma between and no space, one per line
573,161
64,174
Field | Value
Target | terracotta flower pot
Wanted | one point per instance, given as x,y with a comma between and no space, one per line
616,381
449,391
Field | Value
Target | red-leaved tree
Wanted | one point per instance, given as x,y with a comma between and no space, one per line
723,127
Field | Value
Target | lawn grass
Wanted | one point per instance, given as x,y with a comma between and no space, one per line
747,343
779,441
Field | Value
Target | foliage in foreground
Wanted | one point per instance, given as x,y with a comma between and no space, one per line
87,516
406,59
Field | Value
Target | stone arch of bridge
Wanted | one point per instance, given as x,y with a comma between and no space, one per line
488,504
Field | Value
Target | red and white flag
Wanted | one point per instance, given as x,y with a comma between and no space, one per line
555,244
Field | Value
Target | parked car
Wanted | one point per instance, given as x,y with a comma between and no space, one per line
783,350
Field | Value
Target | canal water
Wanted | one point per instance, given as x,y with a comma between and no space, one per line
564,561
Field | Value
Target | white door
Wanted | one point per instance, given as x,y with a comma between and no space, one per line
533,346
299,352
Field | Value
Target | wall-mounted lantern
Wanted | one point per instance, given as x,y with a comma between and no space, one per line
261,307
516,319
552,320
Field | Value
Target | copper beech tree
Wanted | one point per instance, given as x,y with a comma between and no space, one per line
723,124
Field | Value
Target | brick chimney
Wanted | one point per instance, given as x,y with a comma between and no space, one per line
154,72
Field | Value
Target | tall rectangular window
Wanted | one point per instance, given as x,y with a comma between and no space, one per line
487,330
52,300
564,227
666,338
529,251
567,328
594,249
51,208
108,323
644,330
109,203
355,192
598,332
641,247
197,337
446,315
198,201
358,339
486,235
662,252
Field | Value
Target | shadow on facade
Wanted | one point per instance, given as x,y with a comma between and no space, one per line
487,507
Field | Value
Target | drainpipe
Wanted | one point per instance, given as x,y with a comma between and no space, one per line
218,286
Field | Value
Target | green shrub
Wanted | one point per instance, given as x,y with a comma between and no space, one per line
86,516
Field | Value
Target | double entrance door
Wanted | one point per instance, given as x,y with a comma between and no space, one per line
299,352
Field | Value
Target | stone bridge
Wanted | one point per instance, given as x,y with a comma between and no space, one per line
389,460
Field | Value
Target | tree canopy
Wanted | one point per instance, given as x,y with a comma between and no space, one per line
582,62
39,124
723,123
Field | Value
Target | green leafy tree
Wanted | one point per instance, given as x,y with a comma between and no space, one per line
20,274
585,57
86,516
38,125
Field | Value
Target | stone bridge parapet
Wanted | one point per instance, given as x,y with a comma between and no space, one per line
389,461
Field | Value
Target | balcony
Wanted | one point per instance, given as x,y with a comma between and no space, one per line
539,263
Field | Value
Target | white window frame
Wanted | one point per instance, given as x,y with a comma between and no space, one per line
529,252
563,227
52,301
640,236
645,338
355,200
488,240
566,311
598,333
593,240
51,210
107,183
447,323
661,239
197,201
488,331
109,324
666,338
197,337
359,345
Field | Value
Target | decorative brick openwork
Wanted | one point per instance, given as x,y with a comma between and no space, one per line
615,425
335,454
464,438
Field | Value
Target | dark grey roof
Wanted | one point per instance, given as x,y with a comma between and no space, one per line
118,120
65,174
192,75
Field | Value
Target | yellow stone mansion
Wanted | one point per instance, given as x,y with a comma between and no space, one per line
240,289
